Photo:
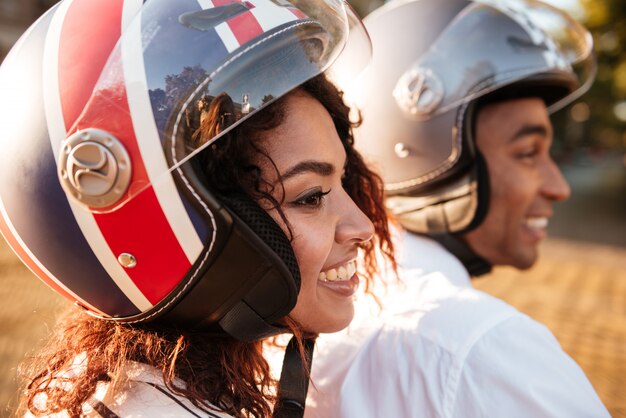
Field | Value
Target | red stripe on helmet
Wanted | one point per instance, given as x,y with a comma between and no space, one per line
140,227
245,26
297,13
219,3
82,59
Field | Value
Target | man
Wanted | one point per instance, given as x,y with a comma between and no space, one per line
455,112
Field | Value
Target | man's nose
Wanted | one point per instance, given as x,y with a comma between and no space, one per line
555,187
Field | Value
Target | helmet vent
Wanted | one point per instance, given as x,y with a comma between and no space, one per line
94,168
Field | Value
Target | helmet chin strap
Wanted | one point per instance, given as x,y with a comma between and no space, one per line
473,263
459,208
294,380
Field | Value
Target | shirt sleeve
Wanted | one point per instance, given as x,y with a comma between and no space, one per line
518,369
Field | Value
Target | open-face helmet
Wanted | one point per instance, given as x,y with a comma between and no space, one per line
434,63
98,192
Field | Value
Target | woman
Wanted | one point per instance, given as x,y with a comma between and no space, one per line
186,239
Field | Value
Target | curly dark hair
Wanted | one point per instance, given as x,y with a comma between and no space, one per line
218,372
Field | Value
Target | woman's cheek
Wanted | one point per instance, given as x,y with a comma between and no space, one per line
312,249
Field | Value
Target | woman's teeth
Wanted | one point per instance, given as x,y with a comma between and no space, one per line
344,272
537,223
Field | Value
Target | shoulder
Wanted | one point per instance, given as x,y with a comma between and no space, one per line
454,351
141,393
527,371
420,339
145,394
432,308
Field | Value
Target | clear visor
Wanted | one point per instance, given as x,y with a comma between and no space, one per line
181,62
494,43
357,54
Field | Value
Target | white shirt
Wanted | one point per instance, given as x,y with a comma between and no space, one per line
143,395
440,348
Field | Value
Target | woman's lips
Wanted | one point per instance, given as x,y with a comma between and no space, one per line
345,288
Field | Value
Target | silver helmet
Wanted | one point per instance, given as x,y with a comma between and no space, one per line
434,62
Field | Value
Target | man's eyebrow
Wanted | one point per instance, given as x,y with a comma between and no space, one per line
317,167
530,130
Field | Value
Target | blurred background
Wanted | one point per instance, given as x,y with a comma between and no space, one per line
578,289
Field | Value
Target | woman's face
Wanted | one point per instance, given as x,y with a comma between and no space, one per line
326,224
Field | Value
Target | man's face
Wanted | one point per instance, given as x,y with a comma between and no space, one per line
515,137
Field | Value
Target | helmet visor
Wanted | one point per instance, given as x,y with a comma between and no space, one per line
356,55
494,43
179,63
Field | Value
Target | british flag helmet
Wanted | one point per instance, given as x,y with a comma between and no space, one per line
97,194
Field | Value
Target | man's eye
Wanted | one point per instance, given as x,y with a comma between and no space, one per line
528,154
312,200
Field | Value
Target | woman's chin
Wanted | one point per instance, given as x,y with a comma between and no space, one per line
338,327
334,321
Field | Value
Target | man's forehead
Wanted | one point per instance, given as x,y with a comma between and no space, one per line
513,104
513,110
500,123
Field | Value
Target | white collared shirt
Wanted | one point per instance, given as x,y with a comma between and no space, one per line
440,348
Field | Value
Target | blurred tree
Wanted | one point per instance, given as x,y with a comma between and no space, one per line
606,19
176,86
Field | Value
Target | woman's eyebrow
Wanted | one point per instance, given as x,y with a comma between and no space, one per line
317,167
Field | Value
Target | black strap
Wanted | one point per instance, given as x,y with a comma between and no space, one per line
294,380
101,409
245,324
175,399
473,263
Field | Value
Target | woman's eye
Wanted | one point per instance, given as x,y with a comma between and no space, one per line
312,200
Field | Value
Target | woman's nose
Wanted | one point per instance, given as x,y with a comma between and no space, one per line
353,225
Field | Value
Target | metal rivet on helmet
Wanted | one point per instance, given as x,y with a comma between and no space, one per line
402,150
127,260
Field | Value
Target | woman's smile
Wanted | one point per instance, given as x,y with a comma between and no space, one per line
342,280
341,273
